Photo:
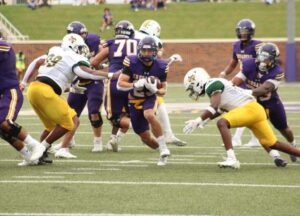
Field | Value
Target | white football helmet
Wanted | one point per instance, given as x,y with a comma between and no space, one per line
151,28
75,43
194,82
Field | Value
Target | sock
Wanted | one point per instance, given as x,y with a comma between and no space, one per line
274,154
164,119
46,144
30,142
120,135
161,142
25,153
238,133
231,154
97,140
293,143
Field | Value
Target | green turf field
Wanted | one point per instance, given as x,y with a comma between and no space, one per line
129,182
180,20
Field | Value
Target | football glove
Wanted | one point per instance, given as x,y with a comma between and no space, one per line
191,125
151,86
175,58
75,88
140,83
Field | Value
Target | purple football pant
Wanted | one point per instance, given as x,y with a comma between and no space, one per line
11,101
93,96
136,108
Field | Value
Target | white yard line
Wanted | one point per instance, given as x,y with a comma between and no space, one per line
138,183
97,169
88,214
39,177
70,173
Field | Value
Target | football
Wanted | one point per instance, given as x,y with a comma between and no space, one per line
152,80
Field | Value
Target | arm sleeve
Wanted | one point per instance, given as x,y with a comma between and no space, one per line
30,68
79,72
241,76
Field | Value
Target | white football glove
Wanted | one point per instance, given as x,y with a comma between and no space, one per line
75,88
175,58
140,83
191,125
152,87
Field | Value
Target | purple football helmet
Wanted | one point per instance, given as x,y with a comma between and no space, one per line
147,49
245,29
77,27
267,56
124,29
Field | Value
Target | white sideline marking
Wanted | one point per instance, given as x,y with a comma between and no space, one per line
39,177
97,169
124,165
70,173
148,183
88,214
148,162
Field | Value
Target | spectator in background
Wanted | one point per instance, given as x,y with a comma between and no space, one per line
20,64
107,19
2,2
44,3
159,4
32,4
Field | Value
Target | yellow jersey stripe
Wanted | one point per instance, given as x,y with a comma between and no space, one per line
108,101
12,105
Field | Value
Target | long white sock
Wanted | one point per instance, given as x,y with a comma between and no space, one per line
231,154
47,145
164,119
293,143
25,153
120,135
238,133
97,140
274,154
30,141
161,142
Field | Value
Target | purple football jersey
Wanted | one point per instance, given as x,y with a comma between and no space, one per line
249,51
134,68
93,42
8,73
118,50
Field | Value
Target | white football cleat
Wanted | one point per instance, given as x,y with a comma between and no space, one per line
229,162
175,141
28,163
113,145
97,148
164,152
64,153
37,152
162,161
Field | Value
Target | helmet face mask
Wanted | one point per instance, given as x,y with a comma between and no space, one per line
75,43
77,27
267,56
147,49
151,28
124,29
194,82
245,29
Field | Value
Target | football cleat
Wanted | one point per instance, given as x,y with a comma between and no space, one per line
252,143
164,152
175,141
279,162
64,153
97,147
37,152
229,162
162,161
236,142
45,158
29,163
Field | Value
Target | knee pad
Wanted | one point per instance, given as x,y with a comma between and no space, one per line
96,123
12,133
115,121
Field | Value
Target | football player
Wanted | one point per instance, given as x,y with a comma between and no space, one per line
11,100
116,101
264,73
242,110
84,92
245,47
60,66
153,29
135,78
